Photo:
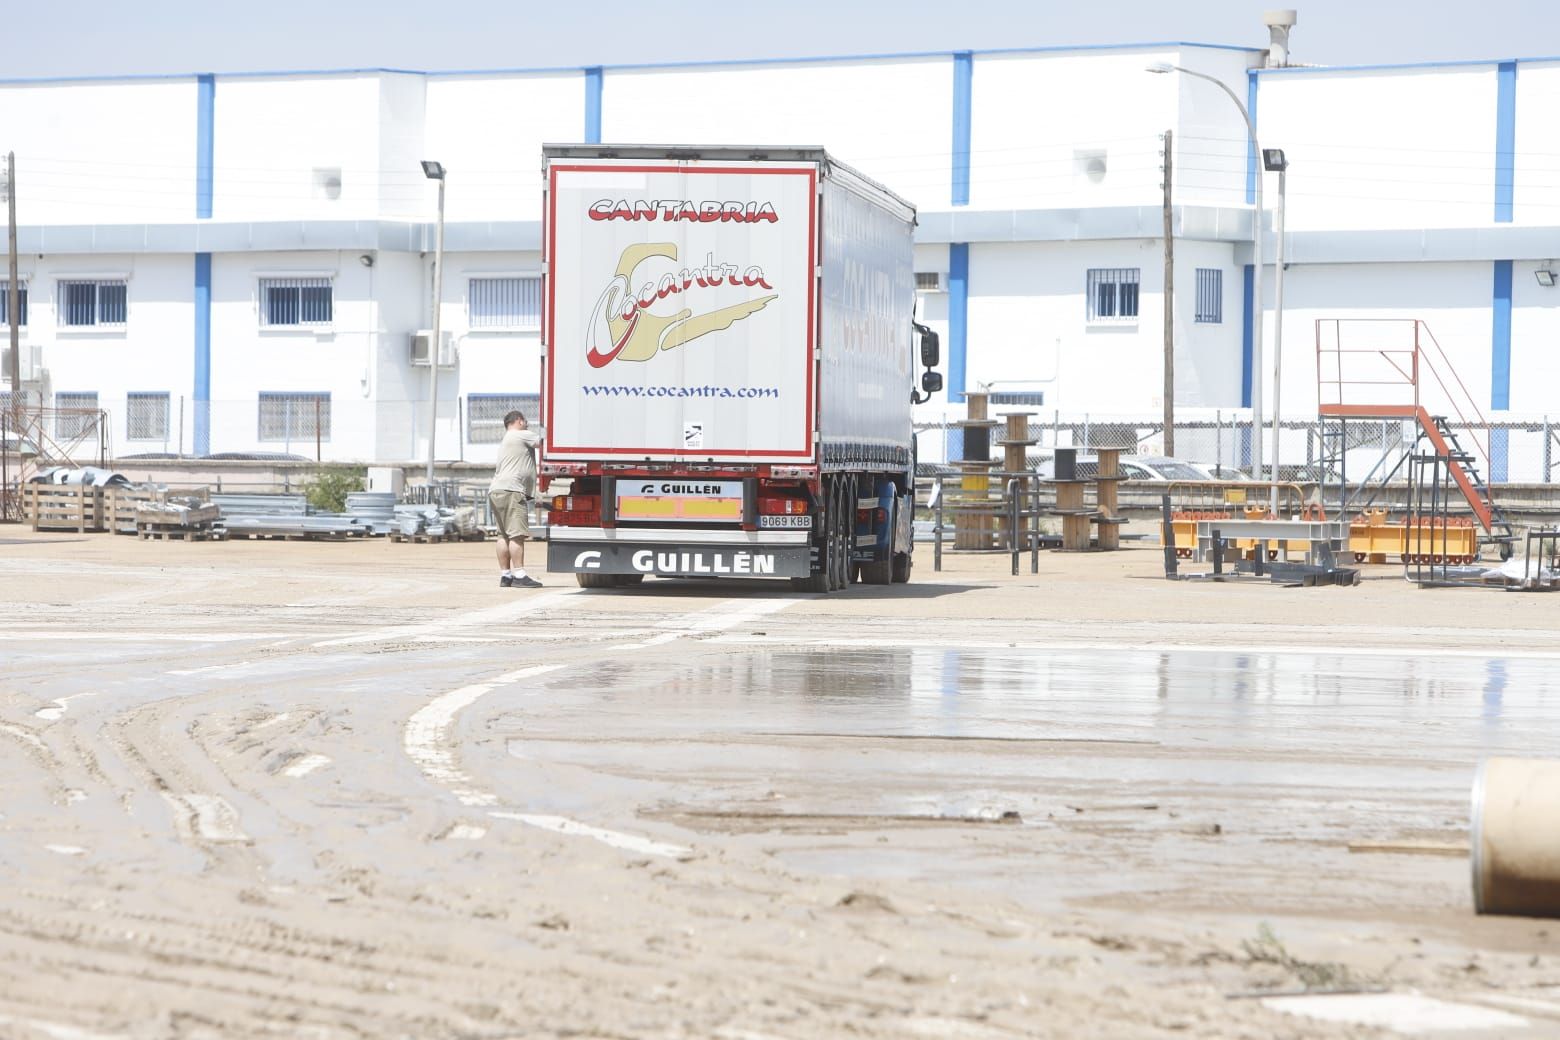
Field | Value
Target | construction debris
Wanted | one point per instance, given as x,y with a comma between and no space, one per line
429,523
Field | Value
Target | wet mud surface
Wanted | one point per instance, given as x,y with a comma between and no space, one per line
340,791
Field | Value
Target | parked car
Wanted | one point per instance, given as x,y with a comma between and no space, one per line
1153,468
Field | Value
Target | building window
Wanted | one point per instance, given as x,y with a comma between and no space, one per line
504,303
1029,398
485,414
286,417
146,416
95,303
1113,293
75,415
1210,295
5,303
295,302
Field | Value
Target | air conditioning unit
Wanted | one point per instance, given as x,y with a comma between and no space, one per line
930,281
32,363
419,347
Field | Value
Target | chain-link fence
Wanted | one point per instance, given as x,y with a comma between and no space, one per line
313,425
331,427
1515,451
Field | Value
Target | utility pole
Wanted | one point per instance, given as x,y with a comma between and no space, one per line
1169,307
13,293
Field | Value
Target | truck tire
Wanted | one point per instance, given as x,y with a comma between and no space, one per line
822,580
902,563
880,572
844,532
591,580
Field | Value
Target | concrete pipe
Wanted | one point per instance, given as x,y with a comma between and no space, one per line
1516,837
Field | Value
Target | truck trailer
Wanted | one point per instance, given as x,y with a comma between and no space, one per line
728,367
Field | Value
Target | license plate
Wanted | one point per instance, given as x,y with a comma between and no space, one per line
785,521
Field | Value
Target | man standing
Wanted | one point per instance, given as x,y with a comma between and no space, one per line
514,484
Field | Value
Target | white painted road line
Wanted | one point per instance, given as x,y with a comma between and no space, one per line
616,839
427,738
208,668
306,765
88,638
427,734
61,706
506,615
207,816
1400,1012
722,616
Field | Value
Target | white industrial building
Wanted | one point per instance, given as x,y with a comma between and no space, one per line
238,262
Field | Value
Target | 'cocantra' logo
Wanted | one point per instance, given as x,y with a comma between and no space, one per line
633,334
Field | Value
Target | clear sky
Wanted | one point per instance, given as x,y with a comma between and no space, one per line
103,37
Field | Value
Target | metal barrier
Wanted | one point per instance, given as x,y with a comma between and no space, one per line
1018,512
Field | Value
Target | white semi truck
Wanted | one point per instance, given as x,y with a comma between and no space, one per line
728,366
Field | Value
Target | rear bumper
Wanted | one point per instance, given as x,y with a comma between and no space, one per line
683,558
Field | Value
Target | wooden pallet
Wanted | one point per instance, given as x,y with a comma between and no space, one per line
63,507
180,533
120,503
434,539
291,536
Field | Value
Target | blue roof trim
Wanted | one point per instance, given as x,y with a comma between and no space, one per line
1452,64
702,63
576,69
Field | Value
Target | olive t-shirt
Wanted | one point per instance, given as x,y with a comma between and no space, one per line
516,470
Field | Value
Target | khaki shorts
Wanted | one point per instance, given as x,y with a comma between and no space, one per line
511,514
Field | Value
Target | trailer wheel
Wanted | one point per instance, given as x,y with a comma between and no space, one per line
880,572
902,564
822,580
838,558
591,580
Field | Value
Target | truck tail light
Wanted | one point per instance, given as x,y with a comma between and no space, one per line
575,511
777,505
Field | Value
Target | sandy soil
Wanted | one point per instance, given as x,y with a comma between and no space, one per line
281,789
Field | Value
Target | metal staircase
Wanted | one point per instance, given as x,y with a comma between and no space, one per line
1384,369
1465,470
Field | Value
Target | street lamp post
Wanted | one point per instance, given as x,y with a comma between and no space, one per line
1256,272
435,171
1273,160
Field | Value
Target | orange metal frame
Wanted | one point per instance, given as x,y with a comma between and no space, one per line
1335,363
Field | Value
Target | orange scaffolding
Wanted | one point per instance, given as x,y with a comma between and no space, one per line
1394,368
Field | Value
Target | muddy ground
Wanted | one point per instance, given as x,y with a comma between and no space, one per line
272,789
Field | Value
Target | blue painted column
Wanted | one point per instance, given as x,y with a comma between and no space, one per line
205,128
593,105
963,83
1500,366
959,252
1500,303
958,317
1505,138
202,443
205,152
1247,302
